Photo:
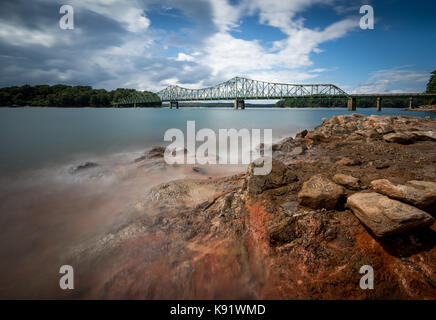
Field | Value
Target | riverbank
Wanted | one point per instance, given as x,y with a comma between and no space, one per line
431,108
203,233
283,236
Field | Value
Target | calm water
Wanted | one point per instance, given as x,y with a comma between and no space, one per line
36,137
46,211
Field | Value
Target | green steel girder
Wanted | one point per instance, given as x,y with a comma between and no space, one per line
243,88
138,98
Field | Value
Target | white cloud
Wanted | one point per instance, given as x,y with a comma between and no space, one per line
21,36
394,80
130,13
184,57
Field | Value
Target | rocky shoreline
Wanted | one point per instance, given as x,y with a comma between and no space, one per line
354,191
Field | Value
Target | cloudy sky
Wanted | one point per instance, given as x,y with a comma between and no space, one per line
149,44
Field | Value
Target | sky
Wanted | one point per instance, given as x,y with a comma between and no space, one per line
150,44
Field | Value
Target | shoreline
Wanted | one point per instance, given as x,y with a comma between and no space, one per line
271,237
280,238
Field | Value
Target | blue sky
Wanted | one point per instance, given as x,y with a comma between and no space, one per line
150,44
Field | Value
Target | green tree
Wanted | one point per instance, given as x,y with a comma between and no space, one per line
431,85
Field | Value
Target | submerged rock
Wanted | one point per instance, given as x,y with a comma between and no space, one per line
154,152
83,166
421,194
384,216
319,192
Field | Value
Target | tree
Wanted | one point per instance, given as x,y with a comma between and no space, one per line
431,85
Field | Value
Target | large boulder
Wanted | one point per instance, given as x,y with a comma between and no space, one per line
319,192
346,181
279,176
385,216
421,194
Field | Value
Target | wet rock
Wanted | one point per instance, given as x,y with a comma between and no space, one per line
346,181
199,170
280,175
154,152
400,138
384,216
319,192
83,166
345,161
421,194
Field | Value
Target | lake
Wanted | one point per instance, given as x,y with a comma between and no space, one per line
37,137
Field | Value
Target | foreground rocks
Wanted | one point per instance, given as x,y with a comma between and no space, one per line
421,194
319,192
286,235
384,216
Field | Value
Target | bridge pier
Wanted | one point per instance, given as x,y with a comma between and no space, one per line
379,103
239,104
411,103
351,104
174,104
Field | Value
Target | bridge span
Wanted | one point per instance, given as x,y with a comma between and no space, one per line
240,89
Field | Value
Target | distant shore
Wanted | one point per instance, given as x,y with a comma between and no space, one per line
424,109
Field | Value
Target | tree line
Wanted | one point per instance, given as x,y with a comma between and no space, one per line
362,102
60,95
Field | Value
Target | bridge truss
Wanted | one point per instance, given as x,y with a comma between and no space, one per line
239,88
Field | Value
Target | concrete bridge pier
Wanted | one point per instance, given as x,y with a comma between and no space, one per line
411,103
379,103
174,104
239,104
351,104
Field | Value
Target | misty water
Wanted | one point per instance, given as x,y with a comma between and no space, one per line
45,209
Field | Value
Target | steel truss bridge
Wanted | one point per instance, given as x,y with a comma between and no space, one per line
239,88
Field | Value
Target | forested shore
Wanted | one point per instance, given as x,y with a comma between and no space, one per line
60,95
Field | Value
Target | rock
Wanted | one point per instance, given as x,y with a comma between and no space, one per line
346,181
297,151
319,192
384,129
384,216
199,170
83,166
279,176
301,134
423,135
348,162
154,152
421,194
381,164
400,138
